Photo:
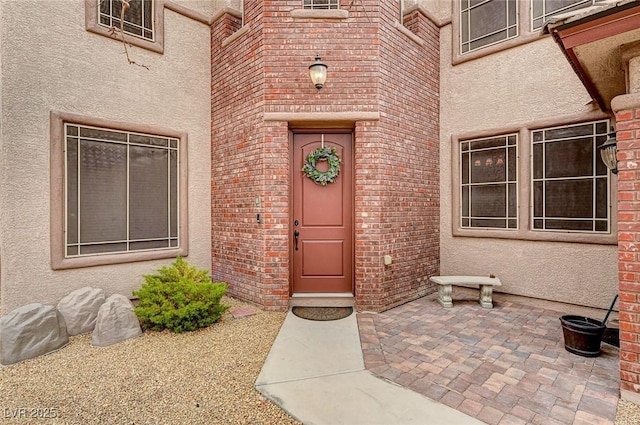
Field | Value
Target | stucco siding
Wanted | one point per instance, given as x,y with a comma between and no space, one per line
51,63
511,88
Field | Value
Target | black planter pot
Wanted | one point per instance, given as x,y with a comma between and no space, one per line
582,335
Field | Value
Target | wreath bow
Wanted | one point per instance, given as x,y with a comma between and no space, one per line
322,154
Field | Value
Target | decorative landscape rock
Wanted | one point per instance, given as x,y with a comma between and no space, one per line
80,309
30,331
116,322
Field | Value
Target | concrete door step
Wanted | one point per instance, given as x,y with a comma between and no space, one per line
322,300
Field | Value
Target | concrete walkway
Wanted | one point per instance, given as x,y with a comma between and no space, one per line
315,371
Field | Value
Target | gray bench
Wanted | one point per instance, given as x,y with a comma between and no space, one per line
446,283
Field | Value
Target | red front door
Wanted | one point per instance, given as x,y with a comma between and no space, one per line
322,251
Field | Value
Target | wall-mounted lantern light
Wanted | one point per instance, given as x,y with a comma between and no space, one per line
609,152
318,72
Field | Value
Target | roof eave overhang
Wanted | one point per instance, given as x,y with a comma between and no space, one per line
571,33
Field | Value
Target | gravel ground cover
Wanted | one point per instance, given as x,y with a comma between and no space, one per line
202,377
628,413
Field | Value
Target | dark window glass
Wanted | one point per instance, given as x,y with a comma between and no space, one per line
571,158
512,158
569,198
465,201
121,196
465,168
488,166
488,183
483,23
570,186
72,186
489,223
602,205
488,201
538,196
138,18
602,226
543,9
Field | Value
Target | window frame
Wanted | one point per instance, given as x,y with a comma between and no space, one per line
594,176
546,16
329,5
506,28
525,31
92,24
525,188
505,182
58,194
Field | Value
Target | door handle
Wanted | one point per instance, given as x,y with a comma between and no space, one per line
296,234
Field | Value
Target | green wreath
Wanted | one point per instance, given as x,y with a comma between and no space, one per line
322,177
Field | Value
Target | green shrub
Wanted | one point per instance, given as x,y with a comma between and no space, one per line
179,298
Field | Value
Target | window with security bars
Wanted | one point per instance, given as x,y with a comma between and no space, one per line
121,191
320,4
489,180
570,181
138,17
487,22
542,10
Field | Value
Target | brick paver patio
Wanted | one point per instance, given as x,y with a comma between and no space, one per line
505,365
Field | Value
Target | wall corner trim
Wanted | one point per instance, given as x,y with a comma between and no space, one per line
429,15
320,14
225,11
185,11
625,101
406,31
235,35
321,116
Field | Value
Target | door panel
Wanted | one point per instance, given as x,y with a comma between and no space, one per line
323,216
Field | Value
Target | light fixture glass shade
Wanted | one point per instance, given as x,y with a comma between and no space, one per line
609,153
318,72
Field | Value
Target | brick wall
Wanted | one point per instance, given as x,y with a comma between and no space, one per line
628,136
409,157
373,67
349,47
237,160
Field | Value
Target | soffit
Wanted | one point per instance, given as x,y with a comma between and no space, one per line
591,40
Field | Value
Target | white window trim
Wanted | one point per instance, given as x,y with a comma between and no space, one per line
58,200
524,173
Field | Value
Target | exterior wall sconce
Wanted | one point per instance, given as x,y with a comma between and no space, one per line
609,152
318,72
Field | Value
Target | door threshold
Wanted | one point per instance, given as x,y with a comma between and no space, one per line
315,299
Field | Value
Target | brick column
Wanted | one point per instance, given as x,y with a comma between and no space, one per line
627,110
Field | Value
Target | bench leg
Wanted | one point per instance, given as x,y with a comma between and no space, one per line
485,296
444,296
